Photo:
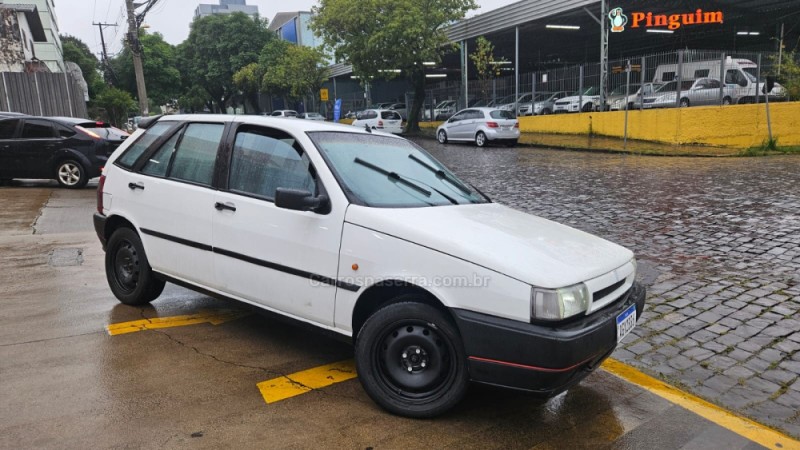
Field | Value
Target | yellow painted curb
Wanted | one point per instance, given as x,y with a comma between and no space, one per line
746,428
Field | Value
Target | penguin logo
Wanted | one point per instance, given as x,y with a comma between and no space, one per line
618,20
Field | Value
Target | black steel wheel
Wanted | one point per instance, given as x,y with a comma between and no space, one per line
410,359
127,270
441,136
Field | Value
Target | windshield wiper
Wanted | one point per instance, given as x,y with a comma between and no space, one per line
393,176
441,174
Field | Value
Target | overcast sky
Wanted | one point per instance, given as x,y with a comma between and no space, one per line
169,17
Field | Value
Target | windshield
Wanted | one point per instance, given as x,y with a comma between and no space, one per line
751,73
386,172
586,91
621,90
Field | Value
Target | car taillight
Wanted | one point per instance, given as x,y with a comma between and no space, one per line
380,123
100,186
516,125
492,125
89,133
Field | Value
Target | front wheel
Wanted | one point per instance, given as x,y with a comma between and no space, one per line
127,270
441,136
726,101
480,139
410,359
71,174
684,103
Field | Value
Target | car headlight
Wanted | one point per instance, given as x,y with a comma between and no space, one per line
558,304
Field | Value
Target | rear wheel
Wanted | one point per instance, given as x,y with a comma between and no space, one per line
127,270
71,174
441,136
546,112
726,101
410,359
685,103
480,139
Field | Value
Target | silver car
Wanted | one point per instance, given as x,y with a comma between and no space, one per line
702,91
543,104
480,125
634,100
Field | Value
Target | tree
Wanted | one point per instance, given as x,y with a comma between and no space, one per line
788,73
218,46
299,72
486,65
78,52
379,36
159,67
117,103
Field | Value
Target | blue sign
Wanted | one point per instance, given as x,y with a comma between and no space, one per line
337,110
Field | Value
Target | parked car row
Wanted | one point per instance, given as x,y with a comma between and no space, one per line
66,149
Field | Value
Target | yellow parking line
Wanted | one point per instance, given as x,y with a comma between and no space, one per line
747,428
214,318
281,388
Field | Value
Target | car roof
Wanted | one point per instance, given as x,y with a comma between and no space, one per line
299,126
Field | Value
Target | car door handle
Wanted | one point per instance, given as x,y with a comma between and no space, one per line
135,186
221,206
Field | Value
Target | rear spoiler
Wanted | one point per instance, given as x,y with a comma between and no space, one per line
148,122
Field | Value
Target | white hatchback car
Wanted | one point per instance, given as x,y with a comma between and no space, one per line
386,120
368,236
481,126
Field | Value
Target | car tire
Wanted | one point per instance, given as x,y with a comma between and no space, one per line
480,139
441,136
727,101
410,359
685,103
71,174
128,272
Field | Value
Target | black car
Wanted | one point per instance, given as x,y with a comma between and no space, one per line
66,149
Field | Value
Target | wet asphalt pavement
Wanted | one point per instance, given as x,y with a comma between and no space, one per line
67,383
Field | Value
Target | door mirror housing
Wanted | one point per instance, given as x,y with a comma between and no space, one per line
300,200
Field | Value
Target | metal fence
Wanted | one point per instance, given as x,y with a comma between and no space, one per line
735,75
42,94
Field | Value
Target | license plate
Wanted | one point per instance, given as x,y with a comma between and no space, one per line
626,322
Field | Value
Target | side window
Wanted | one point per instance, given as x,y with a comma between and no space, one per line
667,76
197,153
64,132
128,159
459,116
37,129
701,73
7,128
732,76
713,84
264,160
158,163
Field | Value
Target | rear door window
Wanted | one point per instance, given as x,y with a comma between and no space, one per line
197,153
128,159
158,163
390,115
8,128
37,129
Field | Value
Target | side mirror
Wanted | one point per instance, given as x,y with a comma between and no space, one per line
743,82
300,200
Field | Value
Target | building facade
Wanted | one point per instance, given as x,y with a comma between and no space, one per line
48,50
20,30
226,7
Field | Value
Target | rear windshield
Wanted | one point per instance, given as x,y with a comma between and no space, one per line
390,115
500,114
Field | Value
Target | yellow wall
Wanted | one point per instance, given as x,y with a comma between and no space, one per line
738,126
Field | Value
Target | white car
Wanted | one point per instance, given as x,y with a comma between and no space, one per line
481,126
367,236
380,120
311,116
284,113
587,102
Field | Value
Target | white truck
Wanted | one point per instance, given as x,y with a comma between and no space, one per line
740,74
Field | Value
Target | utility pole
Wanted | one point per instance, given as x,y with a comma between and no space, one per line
102,26
604,32
136,53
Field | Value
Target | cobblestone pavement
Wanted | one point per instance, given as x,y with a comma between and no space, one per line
718,241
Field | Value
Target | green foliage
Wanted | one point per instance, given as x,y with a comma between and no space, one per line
378,35
160,70
218,46
117,104
788,72
486,65
78,52
194,100
300,71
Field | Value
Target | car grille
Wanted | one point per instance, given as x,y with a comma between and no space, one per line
562,103
602,293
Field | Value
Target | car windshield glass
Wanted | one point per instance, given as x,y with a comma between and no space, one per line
621,90
751,73
385,172
505,100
